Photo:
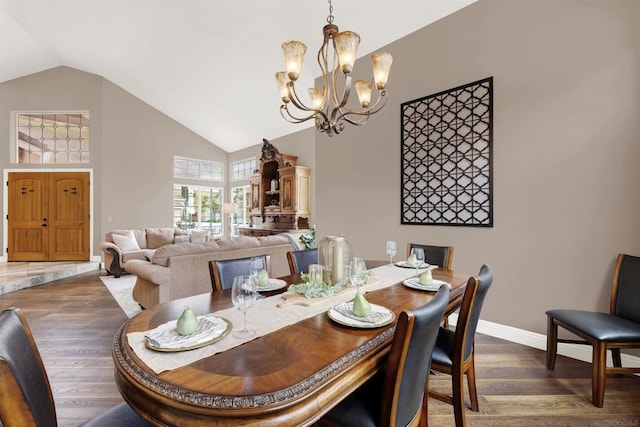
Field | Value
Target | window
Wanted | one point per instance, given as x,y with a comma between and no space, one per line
243,169
204,170
198,207
240,196
47,138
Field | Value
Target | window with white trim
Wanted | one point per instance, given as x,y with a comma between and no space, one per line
52,138
203,170
243,169
198,207
240,196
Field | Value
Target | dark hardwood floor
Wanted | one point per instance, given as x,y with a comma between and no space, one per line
73,322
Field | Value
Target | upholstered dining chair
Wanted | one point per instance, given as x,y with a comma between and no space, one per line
223,271
620,328
454,352
442,256
299,260
394,396
27,399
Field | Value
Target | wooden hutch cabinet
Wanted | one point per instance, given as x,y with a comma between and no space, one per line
280,195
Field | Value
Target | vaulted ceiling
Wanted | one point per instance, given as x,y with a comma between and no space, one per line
208,64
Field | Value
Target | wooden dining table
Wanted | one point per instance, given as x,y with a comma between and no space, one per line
291,376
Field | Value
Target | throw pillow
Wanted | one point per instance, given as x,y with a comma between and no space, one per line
157,237
199,236
127,242
182,239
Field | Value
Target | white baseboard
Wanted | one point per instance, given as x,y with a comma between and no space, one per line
539,341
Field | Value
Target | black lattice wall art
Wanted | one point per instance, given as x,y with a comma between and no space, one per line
446,157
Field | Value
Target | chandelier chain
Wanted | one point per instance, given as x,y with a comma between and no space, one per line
330,17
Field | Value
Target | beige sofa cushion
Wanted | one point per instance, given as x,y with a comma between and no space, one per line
162,254
157,237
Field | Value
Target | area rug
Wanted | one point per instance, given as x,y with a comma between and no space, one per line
121,289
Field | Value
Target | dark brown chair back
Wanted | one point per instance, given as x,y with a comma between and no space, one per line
223,271
407,372
26,398
299,261
442,256
625,293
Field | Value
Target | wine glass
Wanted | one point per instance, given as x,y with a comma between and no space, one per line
243,295
392,247
417,257
256,266
357,272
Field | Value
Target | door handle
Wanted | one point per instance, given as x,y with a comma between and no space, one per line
43,225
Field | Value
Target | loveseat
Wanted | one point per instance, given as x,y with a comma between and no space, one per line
138,243
182,269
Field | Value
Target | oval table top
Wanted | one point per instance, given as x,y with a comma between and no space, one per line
290,376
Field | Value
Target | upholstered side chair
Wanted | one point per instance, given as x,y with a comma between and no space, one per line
620,328
223,271
24,385
299,261
395,396
442,256
454,352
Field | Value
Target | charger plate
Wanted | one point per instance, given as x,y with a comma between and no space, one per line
215,337
274,285
340,318
415,284
405,264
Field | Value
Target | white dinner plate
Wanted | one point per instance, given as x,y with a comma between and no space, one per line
386,317
212,330
414,283
274,285
405,264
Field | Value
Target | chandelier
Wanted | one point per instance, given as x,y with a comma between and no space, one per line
330,110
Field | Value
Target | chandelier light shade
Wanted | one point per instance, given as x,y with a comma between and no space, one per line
328,105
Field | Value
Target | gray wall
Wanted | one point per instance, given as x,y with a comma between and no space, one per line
566,97
132,145
566,150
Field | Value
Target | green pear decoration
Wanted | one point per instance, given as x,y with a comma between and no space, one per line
426,278
361,307
187,322
412,259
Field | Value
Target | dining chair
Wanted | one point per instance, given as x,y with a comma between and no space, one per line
223,271
454,352
299,260
620,328
27,399
395,395
442,256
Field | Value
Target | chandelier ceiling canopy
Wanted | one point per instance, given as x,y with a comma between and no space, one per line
328,105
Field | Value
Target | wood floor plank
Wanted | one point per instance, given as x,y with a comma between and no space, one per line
74,320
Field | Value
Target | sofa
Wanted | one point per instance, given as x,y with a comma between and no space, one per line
182,269
121,246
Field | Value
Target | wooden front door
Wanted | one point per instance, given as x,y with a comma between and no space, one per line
48,216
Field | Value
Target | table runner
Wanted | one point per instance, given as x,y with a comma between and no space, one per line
264,317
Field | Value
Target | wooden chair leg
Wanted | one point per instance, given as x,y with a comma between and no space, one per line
445,323
552,342
424,419
471,382
598,372
617,360
458,397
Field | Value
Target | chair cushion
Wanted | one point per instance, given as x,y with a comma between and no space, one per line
361,408
443,351
119,416
601,326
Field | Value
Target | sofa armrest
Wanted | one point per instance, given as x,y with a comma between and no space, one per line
112,258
